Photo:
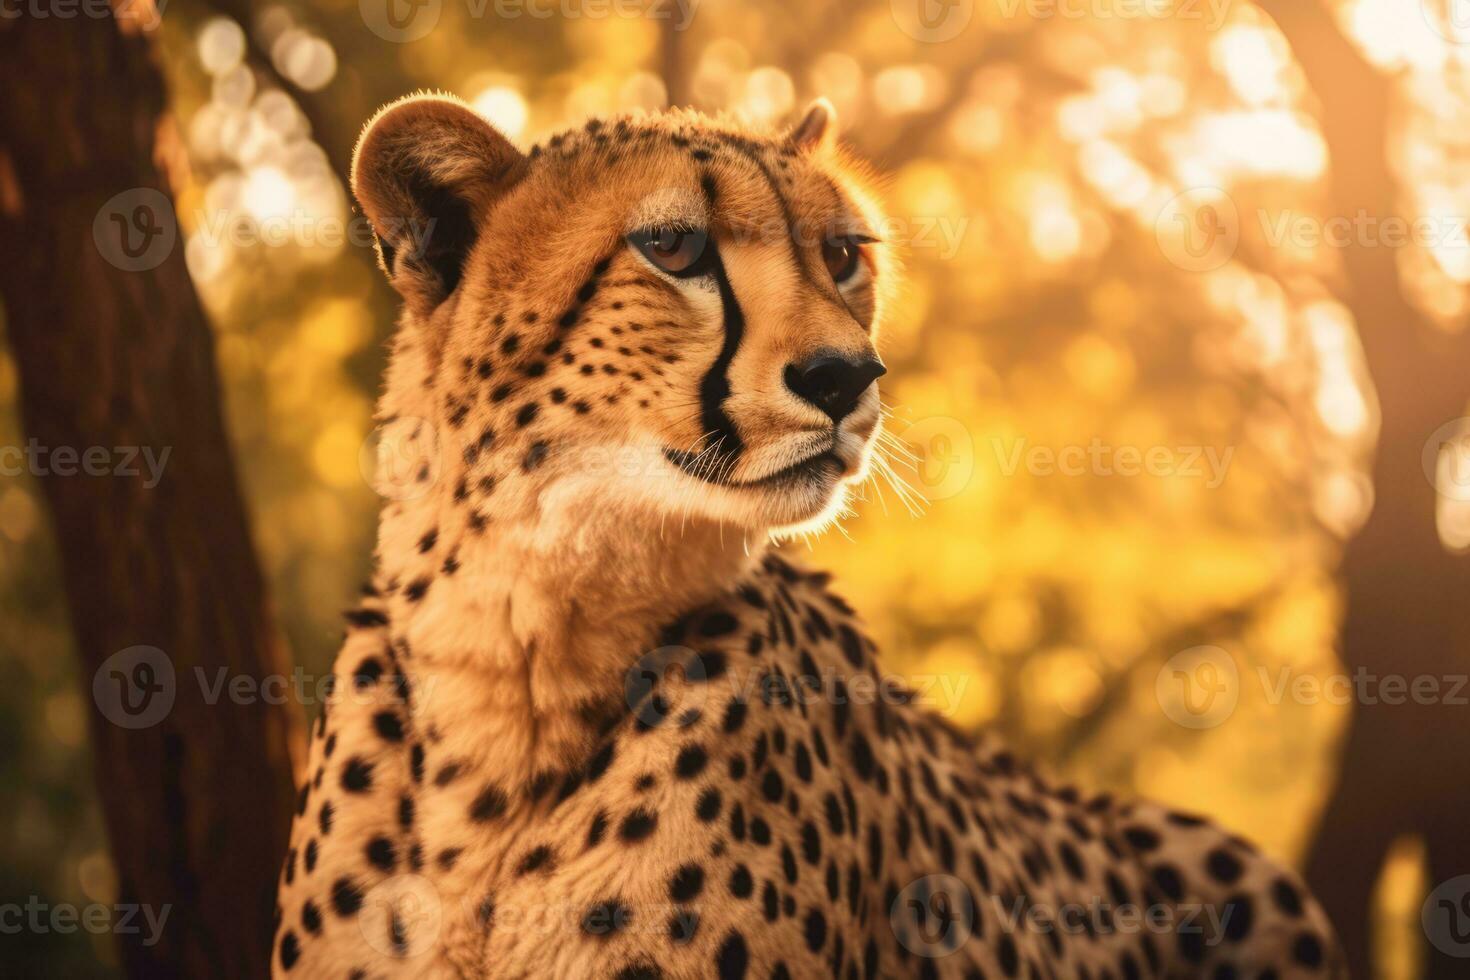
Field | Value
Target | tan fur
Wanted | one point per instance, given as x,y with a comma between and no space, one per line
551,539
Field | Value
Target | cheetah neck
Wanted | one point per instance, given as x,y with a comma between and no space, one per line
530,623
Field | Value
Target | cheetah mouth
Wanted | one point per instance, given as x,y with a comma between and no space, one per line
817,468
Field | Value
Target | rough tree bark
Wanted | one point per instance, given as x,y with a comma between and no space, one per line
1404,768
198,804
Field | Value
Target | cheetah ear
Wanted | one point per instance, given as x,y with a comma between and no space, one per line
818,127
426,172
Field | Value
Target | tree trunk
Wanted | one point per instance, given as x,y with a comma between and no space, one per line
197,794
1404,768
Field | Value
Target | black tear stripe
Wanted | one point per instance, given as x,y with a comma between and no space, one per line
714,388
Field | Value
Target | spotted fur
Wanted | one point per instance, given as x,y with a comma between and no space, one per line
585,722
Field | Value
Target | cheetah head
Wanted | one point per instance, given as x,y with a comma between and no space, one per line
670,310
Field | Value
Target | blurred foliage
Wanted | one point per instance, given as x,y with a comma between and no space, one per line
1031,163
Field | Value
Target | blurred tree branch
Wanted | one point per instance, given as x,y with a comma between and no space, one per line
1403,770
198,803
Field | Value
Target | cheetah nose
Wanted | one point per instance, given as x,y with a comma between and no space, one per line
833,384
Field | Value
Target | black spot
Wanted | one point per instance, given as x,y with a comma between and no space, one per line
324,818
416,763
682,926
708,666
718,624
389,726
834,813
638,825
311,917
365,618
1224,866
538,858
708,806
346,897
1141,838
357,775
599,763
290,950
1010,960
816,930
606,918
381,854
535,456
803,761
741,884
1286,896
491,803
1238,916
811,843
1191,946
691,762
687,883
862,756
527,414
1307,950
733,959
598,830
367,673
1168,881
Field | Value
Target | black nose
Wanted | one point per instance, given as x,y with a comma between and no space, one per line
833,384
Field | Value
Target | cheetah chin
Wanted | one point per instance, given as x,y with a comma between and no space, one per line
586,721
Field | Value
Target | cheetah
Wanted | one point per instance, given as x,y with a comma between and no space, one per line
586,720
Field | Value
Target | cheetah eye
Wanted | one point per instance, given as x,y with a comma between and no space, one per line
842,257
680,252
